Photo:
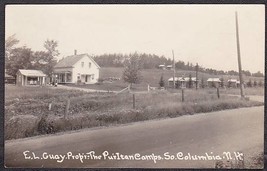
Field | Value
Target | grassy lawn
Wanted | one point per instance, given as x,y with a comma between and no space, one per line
30,105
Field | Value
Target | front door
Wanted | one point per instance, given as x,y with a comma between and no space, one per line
87,78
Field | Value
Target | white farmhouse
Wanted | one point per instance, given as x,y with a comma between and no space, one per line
77,69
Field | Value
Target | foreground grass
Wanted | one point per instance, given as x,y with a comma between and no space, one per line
27,114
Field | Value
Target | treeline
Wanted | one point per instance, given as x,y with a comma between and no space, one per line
150,61
147,61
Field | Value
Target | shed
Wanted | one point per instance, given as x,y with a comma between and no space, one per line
9,79
214,82
30,77
232,83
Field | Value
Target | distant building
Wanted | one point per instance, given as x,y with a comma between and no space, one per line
30,77
233,83
170,81
169,67
162,66
182,82
214,82
9,79
77,69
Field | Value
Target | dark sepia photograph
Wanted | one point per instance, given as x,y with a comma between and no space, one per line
134,86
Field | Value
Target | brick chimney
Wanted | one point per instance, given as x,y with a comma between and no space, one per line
75,52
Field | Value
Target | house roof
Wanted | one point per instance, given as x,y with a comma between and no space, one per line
36,73
232,80
69,61
182,79
187,78
171,79
214,80
8,76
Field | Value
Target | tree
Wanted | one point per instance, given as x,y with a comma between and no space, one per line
49,56
132,67
20,58
41,61
202,83
190,82
258,74
161,82
222,82
10,42
255,83
249,84
260,83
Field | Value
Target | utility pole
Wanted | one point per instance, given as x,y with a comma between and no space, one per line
239,58
196,76
173,70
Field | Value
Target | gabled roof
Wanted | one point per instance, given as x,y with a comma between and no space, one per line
171,79
70,61
34,73
182,79
232,80
214,80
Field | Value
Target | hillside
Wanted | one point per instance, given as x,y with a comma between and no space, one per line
152,76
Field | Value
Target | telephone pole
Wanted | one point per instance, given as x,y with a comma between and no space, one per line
196,76
239,57
173,70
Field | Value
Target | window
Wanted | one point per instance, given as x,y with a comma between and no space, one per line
89,64
82,64
93,76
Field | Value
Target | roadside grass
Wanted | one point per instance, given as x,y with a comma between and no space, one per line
27,114
259,91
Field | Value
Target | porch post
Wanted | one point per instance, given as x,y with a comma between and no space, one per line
26,81
65,77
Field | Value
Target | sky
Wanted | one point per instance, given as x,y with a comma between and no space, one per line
204,34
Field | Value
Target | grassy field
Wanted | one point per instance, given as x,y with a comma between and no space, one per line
27,108
149,76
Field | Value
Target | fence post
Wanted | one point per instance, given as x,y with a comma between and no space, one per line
218,92
182,95
49,106
67,108
133,101
148,88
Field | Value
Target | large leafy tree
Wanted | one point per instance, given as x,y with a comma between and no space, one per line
20,58
48,58
10,43
161,81
190,81
132,67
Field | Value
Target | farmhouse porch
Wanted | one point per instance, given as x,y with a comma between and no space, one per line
67,77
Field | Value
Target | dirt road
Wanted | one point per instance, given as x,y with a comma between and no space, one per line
212,133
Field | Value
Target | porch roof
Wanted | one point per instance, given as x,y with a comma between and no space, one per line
32,73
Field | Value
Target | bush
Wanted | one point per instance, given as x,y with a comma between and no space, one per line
21,126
